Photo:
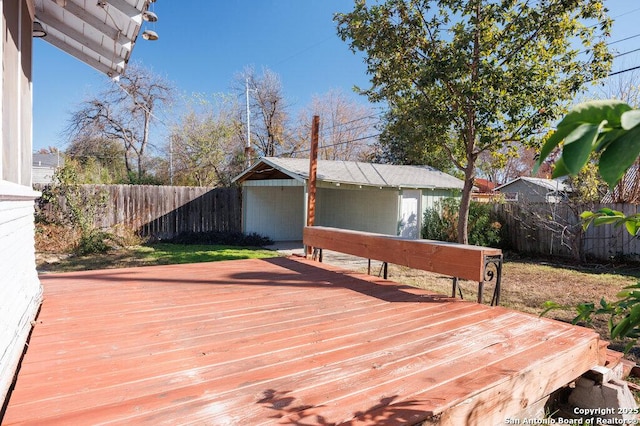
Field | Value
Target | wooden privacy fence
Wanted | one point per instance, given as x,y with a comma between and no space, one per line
555,229
164,211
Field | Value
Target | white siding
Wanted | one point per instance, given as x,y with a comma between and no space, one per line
370,210
20,291
274,211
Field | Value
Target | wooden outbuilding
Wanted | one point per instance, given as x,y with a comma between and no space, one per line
382,198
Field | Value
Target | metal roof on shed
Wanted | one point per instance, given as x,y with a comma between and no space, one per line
352,172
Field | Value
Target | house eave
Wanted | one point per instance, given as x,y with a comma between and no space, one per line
101,34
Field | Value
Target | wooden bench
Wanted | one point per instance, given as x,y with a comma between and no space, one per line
460,261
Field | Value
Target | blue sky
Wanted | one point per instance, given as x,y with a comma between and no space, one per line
204,44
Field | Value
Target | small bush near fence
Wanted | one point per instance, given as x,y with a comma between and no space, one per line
222,238
441,223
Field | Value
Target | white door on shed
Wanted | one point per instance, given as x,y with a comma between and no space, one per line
409,211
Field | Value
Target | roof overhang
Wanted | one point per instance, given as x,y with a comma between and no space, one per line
265,169
101,33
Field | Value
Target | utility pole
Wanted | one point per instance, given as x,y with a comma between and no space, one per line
171,161
247,148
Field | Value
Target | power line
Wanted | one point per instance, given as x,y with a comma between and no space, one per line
623,71
337,144
333,131
623,39
626,53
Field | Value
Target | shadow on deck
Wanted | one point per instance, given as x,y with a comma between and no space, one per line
281,341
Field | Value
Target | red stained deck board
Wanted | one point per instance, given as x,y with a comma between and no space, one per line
278,341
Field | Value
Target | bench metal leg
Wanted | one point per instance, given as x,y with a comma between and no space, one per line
317,254
456,286
493,270
383,269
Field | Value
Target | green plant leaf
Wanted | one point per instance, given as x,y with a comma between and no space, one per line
586,215
609,212
622,294
619,156
630,119
632,226
559,169
621,329
578,146
553,141
634,315
606,137
605,220
550,305
595,112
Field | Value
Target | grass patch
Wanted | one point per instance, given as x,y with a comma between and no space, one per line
165,253
148,255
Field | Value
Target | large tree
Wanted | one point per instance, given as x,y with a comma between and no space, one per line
476,75
124,112
204,142
347,128
268,110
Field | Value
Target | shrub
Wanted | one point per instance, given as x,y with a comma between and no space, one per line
96,241
441,223
228,238
65,204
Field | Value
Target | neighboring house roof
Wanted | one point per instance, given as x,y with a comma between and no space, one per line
100,33
352,172
484,185
547,184
47,160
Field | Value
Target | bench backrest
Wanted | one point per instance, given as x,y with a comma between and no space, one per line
456,260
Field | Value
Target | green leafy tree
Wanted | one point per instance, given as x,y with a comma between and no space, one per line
205,146
472,76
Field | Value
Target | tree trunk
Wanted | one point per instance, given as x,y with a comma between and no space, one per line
465,202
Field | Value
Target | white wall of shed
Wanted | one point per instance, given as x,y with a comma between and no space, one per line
274,211
369,210
431,198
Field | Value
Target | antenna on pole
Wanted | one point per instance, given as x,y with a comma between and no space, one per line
247,148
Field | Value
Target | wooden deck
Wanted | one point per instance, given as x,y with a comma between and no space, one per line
281,341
